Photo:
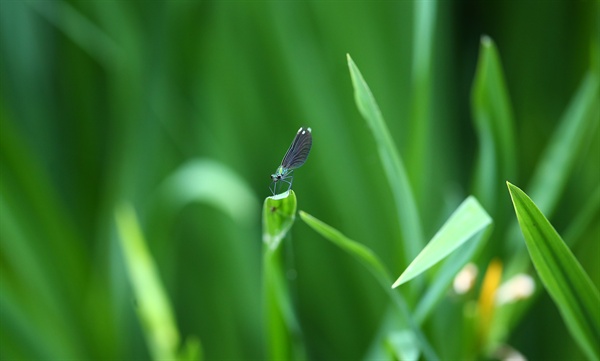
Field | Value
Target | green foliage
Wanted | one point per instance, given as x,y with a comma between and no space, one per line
408,215
366,256
466,221
279,213
579,120
181,110
493,119
153,306
283,336
571,288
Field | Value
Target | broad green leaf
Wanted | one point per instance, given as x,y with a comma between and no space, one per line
572,290
279,213
154,309
371,261
492,115
408,215
468,219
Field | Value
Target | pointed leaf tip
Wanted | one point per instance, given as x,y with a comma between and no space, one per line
486,40
466,221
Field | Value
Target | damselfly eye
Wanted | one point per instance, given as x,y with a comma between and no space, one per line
279,177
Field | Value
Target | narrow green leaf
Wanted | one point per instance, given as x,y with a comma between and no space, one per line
197,180
586,216
283,334
154,309
402,345
421,96
567,283
552,172
468,219
408,215
279,213
26,189
22,273
80,30
27,319
445,275
493,118
191,350
361,252
373,264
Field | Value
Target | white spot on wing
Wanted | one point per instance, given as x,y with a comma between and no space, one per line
299,130
309,130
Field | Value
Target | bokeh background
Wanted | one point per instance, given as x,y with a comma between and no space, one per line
184,109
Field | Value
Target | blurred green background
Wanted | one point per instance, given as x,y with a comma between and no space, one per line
185,108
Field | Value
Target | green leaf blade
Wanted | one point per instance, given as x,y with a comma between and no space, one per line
494,121
420,151
283,333
406,206
445,275
357,250
196,181
279,213
468,219
371,261
551,174
154,309
563,276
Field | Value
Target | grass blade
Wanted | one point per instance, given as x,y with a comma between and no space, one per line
402,346
406,206
365,256
583,219
444,277
359,251
279,213
283,334
80,30
197,180
468,220
562,275
423,39
553,169
154,309
493,118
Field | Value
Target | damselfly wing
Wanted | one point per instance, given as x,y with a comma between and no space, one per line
295,157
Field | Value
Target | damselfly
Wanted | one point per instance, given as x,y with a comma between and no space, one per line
294,158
